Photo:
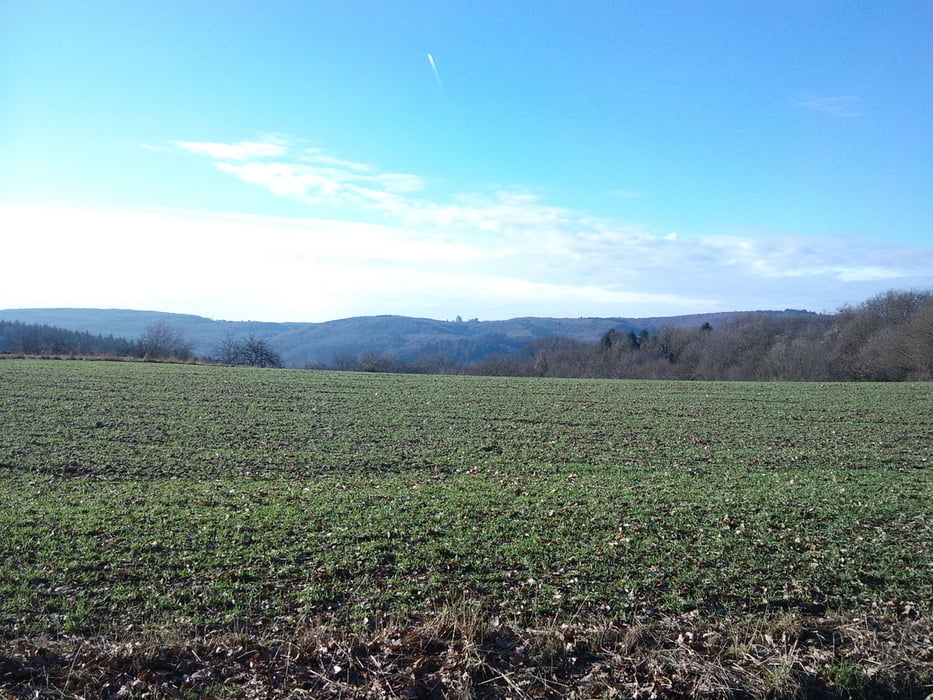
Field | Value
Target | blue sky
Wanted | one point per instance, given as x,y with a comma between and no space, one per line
317,160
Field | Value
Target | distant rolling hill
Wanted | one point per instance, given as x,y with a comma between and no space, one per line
401,337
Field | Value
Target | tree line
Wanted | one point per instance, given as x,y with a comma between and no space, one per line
159,342
19,338
887,338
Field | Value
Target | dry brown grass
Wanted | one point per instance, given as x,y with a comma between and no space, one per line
463,652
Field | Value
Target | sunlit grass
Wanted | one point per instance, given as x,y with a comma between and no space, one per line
197,497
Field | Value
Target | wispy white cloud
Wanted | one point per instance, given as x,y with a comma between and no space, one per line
510,253
560,245
802,260
279,178
234,151
314,177
558,263
866,273
317,155
835,106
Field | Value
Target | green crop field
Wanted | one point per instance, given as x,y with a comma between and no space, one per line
137,497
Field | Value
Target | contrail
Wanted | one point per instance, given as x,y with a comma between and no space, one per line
436,74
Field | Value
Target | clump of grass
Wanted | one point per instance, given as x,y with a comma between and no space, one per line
848,678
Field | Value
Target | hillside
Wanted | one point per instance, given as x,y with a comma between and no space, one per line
401,337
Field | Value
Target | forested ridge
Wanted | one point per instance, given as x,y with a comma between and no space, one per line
886,338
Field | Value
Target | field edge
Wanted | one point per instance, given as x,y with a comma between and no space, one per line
463,650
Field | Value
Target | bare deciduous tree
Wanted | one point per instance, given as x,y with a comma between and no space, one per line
161,341
251,351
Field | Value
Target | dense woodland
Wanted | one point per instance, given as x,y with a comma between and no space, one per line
30,339
887,338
